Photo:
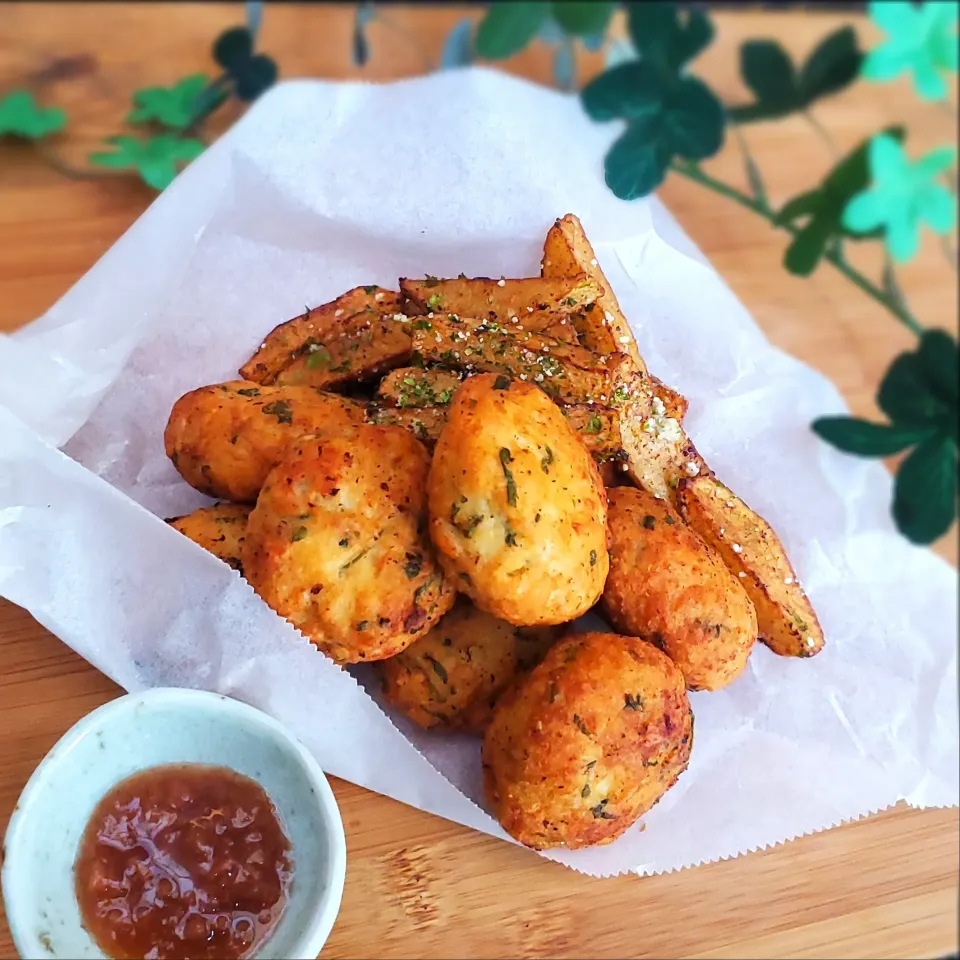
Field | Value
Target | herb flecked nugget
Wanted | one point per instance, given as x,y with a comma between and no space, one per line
587,742
219,529
337,543
517,509
223,439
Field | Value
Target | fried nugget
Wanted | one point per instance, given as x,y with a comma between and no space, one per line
453,676
337,543
517,509
587,742
223,439
219,529
667,586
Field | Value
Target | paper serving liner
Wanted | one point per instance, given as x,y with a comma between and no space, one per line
321,187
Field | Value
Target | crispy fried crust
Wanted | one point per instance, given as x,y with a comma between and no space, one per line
749,547
321,325
223,439
425,423
587,742
533,300
603,330
452,677
517,509
567,373
337,543
668,587
219,529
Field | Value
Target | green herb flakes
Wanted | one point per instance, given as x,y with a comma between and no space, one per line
546,460
438,667
299,534
649,522
593,558
631,702
412,565
501,383
279,409
249,392
505,458
594,424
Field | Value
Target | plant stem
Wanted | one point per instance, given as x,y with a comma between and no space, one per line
692,172
822,132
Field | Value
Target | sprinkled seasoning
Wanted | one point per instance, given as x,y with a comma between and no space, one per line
631,702
788,580
507,458
649,521
298,534
736,547
501,282
692,468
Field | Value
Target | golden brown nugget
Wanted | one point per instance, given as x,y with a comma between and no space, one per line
587,742
452,677
337,543
223,439
219,529
668,587
750,548
320,325
517,509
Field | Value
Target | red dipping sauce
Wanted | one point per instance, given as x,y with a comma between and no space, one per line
183,862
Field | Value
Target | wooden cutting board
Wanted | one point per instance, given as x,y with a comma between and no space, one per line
418,886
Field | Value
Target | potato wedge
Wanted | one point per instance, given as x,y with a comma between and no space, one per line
567,373
366,346
674,404
317,326
417,387
219,529
425,423
604,330
749,547
488,299
658,452
599,429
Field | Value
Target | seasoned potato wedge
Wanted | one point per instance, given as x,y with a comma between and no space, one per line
219,529
321,325
453,677
567,373
749,547
674,404
425,423
599,429
498,300
604,330
367,345
417,387
223,439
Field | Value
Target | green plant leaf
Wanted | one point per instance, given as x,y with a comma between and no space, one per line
866,439
768,71
156,159
233,47
173,107
695,38
663,38
507,28
891,287
807,247
939,361
804,205
637,162
904,395
254,77
832,66
21,116
925,490
693,120
754,178
584,18
630,90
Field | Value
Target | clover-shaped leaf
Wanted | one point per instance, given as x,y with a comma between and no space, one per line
156,159
919,393
174,107
21,116
902,196
584,18
508,27
251,73
667,114
780,89
822,210
665,37
922,39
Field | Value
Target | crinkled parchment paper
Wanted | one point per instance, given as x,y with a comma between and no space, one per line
324,186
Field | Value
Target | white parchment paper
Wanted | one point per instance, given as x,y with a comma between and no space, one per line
324,186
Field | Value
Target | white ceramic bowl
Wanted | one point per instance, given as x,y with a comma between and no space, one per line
142,730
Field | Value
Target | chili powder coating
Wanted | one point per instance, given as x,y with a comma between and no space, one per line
183,861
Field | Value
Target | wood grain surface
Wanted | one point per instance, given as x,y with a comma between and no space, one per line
418,886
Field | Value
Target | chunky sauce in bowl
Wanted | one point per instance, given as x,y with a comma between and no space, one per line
183,861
